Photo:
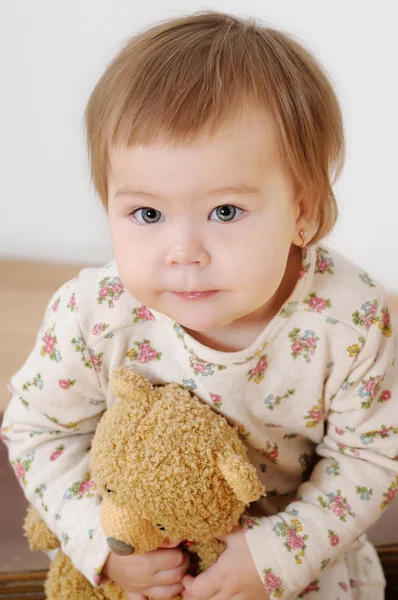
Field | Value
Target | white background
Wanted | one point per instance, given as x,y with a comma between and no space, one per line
52,54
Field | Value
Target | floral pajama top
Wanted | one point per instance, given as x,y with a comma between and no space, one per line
315,398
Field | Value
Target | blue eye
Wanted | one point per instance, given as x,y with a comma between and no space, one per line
227,212
149,215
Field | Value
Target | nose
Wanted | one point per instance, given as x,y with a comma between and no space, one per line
120,548
187,252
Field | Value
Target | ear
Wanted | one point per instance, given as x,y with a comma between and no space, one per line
241,476
128,384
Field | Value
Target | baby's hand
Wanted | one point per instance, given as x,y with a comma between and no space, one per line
233,575
156,574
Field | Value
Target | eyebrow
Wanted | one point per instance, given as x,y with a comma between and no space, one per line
237,190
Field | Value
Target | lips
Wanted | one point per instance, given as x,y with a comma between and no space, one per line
195,295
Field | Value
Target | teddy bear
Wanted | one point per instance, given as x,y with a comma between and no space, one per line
168,468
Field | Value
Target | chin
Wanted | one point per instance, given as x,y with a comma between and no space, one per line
199,320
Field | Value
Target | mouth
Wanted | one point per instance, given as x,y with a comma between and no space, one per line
195,295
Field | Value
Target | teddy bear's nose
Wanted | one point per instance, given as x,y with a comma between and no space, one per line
120,548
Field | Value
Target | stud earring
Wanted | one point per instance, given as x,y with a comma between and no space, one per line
304,236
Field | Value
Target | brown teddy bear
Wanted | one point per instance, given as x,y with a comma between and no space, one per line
167,467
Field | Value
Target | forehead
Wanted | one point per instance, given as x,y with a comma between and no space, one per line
243,147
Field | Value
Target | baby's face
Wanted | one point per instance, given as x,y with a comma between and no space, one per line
187,224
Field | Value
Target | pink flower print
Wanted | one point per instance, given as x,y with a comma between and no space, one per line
97,329
334,540
303,345
294,540
96,360
72,302
339,431
216,399
339,499
142,314
55,306
273,455
198,366
390,494
79,489
366,317
297,346
343,586
317,304
3,436
324,263
385,395
270,452
250,523
303,271
257,374
103,292
85,486
109,289
311,342
146,353
117,288
370,385
49,343
315,415
20,470
337,504
49,346
337,510
64,384
312,587
272,582
368,322
57,453
386,318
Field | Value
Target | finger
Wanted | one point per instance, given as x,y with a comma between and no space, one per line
135,596
204,586
164,559
172,576
164,592
167,544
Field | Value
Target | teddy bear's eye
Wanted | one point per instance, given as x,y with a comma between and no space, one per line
108,490
161,527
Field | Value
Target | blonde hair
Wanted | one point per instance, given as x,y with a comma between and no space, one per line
184,77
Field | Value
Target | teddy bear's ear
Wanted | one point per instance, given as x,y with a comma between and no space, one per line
241,476
128,384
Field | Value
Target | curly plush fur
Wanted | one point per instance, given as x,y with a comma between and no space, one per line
167,467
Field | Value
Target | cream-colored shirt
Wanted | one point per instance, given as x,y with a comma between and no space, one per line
315,397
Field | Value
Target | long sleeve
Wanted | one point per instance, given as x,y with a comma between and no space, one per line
56,402
354,479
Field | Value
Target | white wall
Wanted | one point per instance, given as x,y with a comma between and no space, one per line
52,53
